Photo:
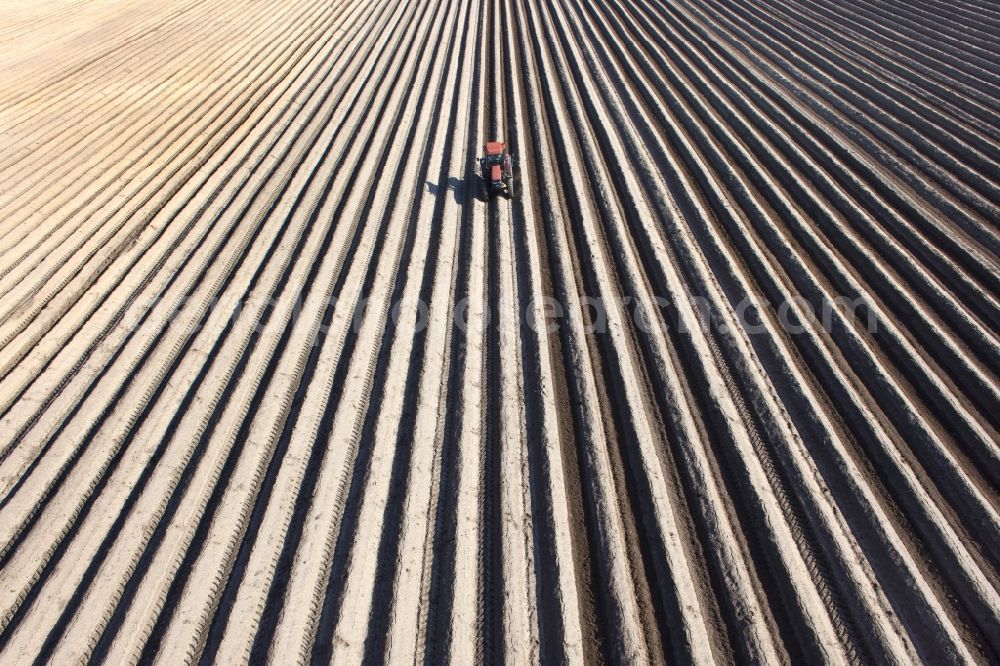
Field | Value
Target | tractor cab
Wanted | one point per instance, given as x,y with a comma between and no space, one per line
497,167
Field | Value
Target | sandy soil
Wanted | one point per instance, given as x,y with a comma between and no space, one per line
227,433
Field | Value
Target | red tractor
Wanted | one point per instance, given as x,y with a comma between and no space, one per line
497,168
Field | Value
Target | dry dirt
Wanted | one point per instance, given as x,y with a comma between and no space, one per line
278,380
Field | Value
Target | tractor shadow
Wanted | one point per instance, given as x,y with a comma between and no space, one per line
459,189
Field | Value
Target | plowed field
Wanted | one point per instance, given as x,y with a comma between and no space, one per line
716,382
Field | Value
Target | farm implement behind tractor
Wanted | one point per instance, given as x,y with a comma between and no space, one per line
497,168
